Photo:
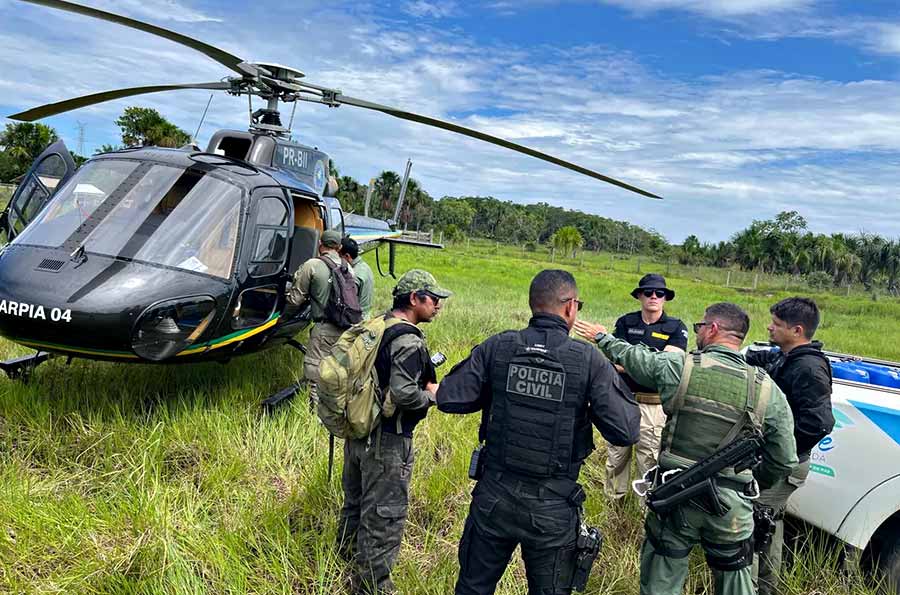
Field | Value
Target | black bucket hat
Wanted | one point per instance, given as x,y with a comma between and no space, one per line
653,281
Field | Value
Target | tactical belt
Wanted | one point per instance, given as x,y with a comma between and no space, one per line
569,489
647,398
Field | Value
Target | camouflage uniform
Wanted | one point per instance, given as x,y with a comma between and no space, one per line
725,540
365,280
377,469
312,283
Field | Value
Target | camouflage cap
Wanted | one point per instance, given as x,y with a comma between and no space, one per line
331,238
419,280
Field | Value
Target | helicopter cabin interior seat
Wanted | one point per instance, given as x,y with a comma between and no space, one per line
308,227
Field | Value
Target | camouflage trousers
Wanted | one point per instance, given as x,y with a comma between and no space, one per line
375,479
668,542
322,339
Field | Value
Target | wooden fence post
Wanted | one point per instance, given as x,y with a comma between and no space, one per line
755,280
728,279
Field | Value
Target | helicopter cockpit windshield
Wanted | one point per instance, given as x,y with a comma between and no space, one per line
147,212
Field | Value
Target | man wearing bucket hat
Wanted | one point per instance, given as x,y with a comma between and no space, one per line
650,326
312,285
378,469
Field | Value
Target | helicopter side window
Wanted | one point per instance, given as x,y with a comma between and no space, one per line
270,247
337,219
27,204
255,306
38,187
51,170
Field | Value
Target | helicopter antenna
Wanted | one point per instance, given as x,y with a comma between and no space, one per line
291,121
203,117
80,126
402,191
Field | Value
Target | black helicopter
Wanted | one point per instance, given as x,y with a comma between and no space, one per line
179,255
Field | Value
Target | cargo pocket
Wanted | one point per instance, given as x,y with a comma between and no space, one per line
554,521
391,512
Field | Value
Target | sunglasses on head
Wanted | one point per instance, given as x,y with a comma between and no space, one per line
660,293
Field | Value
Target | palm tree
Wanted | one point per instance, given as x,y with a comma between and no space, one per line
567,240
387,189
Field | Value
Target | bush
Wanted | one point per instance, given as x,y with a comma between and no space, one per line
531,246
819,280
452,233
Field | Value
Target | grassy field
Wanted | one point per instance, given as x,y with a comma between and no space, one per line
140,479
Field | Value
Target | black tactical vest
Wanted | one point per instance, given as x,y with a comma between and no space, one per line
538,424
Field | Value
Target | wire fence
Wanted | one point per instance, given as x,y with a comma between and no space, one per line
639,264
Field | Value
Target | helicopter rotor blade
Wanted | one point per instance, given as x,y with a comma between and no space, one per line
339,98
221,56
51,109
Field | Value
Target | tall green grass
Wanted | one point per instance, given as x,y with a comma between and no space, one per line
155,479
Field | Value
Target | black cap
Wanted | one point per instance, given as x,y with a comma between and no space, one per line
653,281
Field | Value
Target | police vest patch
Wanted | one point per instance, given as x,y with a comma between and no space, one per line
536,382
636,331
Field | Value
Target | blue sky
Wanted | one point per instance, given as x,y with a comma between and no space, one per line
733,110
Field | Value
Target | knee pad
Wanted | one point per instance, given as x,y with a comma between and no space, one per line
740,559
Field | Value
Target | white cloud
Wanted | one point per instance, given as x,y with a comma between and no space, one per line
435,10
715,8
155,10
723,150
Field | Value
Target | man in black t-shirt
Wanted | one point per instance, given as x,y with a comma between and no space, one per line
651,326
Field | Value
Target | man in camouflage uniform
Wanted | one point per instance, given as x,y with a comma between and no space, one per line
377,469
365,279
708,395
312,284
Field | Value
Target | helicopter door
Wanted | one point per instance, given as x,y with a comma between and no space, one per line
47,174
265,266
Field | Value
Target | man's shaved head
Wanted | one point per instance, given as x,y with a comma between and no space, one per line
550,289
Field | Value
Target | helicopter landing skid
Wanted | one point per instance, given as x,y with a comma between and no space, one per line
20,368
274,401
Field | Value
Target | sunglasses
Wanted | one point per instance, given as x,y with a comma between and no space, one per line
660,293
577,301
428,294
697,326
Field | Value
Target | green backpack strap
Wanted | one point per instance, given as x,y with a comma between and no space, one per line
759,390
691,360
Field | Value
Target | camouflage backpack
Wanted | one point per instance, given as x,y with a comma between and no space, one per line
351,398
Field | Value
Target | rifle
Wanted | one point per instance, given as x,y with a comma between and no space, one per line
697,483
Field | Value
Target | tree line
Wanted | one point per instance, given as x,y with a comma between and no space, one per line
782,245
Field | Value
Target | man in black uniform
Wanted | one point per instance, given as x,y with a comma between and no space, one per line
539,392
650,326
803,373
